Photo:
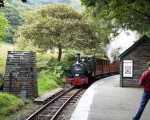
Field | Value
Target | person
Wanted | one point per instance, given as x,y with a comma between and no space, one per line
144,81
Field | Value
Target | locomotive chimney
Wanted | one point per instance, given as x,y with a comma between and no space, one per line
78,57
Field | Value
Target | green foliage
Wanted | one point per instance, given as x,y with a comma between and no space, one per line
46,81
50,78
9,104
14,19
69,57
56,26
52,72
3,26
12,15
126,14
13,11
42,60
4,48
88,2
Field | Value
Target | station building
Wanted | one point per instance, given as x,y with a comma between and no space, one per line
133,62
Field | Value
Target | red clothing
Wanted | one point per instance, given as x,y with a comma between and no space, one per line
145,80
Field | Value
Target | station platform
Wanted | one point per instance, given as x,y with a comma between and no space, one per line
105,100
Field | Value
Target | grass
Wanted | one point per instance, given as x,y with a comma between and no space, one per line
9,104
13,108
4,48
27,109
52,71
47,81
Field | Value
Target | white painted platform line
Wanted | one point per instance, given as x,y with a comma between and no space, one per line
83,108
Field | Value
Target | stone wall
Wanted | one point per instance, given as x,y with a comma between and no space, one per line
20,74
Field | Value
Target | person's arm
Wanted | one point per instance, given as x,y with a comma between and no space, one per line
142,79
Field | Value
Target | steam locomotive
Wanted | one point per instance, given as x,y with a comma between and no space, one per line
87,69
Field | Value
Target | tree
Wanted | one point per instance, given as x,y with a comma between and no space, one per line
14,18
13,11
3,26
56,26
124,14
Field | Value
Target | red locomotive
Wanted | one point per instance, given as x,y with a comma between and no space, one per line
86,69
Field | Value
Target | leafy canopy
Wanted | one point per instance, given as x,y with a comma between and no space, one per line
128,14
13,11
56,26
3,25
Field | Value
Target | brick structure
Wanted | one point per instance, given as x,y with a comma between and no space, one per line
20,74
134,61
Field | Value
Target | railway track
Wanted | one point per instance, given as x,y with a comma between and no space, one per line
52,110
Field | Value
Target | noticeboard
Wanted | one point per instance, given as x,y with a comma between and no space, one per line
127,68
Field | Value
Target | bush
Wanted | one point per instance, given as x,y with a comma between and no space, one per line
52,73
9,104
48,80
3,26
42,61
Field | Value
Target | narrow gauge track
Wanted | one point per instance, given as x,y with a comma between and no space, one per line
52,109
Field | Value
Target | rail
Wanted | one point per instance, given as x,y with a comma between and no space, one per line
52,109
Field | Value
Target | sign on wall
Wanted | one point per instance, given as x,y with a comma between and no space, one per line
127,68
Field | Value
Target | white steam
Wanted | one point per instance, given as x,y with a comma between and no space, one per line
120,43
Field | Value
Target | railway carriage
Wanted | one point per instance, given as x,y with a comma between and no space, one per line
86,69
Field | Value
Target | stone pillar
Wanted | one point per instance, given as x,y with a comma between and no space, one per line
20,75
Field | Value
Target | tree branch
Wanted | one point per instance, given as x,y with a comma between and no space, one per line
143,14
